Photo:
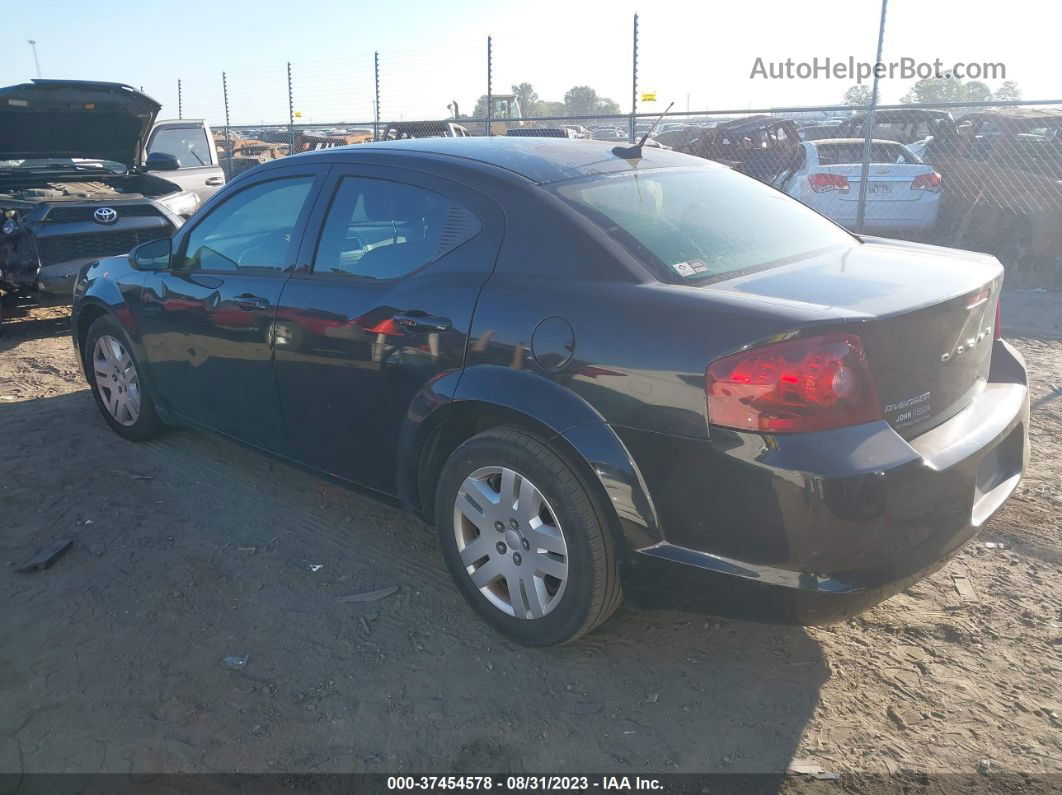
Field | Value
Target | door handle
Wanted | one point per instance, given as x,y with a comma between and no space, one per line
215,181
248,302
420,322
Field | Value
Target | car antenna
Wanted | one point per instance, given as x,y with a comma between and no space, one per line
635,152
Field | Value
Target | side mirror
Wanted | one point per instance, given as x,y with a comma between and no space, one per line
152,256
162,161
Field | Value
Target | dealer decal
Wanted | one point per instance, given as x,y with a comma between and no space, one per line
910,410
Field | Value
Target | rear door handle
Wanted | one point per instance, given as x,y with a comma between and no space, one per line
215,181
420,322
248,302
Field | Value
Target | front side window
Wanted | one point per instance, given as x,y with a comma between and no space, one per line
377,229
251,231
188,144
695,224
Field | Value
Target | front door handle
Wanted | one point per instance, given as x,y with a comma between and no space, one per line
247,302
215,181
420,322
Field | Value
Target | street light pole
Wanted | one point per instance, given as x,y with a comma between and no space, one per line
33,46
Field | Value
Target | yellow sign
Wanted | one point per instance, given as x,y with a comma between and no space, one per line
649,96
298,114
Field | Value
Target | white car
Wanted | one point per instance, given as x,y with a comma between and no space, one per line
903,193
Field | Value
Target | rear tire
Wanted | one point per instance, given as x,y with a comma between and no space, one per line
117,382
530,551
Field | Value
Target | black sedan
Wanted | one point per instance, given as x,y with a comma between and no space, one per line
601,373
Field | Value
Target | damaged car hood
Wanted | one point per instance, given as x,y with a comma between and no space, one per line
75,118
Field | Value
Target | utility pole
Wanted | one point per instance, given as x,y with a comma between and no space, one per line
376,102
490,83
634,82
36,62
868,128
291,114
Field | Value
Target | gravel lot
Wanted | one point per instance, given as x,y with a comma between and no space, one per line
190,549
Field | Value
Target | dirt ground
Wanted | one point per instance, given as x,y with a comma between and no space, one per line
190,550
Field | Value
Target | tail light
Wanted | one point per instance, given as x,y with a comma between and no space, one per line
809,384
821,183
998,328
930,182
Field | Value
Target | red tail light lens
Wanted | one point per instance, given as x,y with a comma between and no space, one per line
821,183
930,182
799,385
997,332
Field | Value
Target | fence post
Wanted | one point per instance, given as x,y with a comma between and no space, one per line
180,106
291,114
376,104
228,141
634,83
490,84
868,129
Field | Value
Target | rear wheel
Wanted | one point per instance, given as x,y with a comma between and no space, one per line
523,540
117,385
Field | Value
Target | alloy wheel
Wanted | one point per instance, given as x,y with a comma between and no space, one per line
116,380
510,542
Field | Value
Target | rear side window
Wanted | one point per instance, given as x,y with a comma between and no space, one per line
378,229
847,153
188,144
701,223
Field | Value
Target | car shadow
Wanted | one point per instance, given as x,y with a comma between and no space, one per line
23,319
190,548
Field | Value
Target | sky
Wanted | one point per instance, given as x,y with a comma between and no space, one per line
698,54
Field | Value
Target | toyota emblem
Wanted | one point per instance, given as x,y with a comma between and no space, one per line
105,215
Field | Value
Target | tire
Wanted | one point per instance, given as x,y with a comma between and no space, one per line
133,416
563,587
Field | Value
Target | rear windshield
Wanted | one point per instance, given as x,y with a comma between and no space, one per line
848,153
701,223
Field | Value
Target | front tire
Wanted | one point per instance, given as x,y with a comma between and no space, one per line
523,539
117,382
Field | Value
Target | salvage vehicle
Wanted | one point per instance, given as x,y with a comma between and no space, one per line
602,372
916,128
401,130
541,132
72,184
192,143
758,145
902,196
1005,189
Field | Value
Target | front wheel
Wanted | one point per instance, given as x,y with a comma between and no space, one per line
117,383
523,539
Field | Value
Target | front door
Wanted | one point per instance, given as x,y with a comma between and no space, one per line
397,265
208,322
199,171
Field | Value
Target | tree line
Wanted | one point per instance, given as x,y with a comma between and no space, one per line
578,101
934,90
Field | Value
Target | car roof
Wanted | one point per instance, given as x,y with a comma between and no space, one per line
541,160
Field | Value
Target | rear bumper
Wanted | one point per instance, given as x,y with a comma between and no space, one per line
915,215
813,528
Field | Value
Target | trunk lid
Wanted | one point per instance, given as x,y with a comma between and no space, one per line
926,316
74,118
885,181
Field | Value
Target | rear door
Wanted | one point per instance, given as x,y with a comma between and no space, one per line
208,322
191,144
384,308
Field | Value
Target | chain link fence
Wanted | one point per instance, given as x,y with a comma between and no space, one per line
984,176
